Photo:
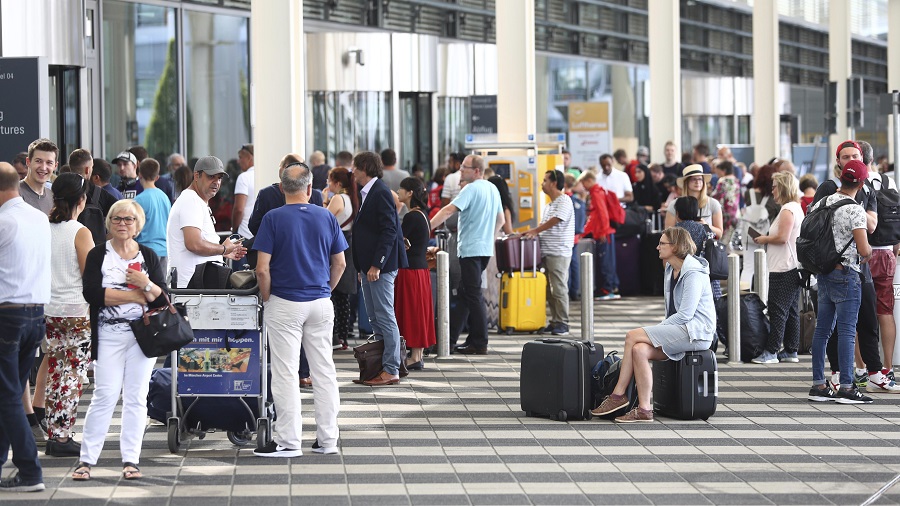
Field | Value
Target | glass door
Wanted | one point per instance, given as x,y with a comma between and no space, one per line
65,111
415,132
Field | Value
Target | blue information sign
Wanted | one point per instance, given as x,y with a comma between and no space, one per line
207,367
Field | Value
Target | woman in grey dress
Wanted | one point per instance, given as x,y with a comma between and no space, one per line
690,325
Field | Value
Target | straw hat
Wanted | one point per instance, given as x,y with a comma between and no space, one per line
693,170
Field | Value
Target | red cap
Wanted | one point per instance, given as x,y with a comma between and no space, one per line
847,144
854,171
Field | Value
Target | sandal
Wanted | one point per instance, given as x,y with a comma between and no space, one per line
82,472
131,474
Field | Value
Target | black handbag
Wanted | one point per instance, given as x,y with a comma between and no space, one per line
210,275
163,330
717,258
369,354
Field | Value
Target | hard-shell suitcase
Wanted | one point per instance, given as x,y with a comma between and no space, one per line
523,298
652,268
523,302
688,388
516,253
628,265
556,378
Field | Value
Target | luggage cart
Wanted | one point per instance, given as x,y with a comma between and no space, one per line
228,359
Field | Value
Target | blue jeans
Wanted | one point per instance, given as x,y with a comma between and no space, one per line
840,293
21,331
379,299
605,258
470,306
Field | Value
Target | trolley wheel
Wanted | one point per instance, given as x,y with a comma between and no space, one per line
263,434
174,434
562,415
241,438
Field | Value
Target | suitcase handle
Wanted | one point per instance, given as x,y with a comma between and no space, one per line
533,255
705,390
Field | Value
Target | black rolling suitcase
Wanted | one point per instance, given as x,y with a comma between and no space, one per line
556,378
687,389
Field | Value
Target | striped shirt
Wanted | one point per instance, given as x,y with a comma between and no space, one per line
558,240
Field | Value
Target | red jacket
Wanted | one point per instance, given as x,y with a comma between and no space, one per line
598,216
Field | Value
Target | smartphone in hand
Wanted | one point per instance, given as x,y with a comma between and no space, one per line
753,233
136,266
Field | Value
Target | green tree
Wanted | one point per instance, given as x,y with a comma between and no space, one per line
162,131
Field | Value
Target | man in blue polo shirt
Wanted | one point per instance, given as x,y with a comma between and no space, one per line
296,290
480,219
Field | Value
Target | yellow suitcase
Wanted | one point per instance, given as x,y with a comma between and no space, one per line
523,301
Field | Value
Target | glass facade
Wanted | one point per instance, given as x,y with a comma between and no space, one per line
350,121
140,78
453,124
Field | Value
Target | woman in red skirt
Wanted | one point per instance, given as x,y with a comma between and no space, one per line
412,290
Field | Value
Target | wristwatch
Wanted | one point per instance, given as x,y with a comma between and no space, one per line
148,287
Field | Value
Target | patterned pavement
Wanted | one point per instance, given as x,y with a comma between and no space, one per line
454,434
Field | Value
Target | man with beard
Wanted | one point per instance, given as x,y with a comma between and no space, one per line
191,235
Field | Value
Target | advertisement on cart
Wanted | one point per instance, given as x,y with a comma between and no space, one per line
210,366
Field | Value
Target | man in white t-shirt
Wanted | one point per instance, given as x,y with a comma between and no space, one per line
244,196
451,181
614,180
191,236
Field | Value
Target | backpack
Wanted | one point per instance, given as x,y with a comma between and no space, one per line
887,233
616,211
604,377
815,245
92,217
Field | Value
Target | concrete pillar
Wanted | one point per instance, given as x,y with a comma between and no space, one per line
665,75
515,67
893,60
839,66
765,80
278,85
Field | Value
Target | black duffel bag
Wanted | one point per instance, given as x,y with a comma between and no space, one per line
635,222
754,325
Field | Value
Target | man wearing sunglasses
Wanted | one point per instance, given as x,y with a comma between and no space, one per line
191,236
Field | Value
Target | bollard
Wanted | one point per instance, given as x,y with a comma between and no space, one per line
734,309
443,304
761,273
587,296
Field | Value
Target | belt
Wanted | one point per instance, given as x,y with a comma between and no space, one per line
19,306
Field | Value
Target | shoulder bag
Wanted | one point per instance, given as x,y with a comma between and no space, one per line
163,330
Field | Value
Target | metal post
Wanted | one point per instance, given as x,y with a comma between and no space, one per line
734,309
761,271
443,304
896,100
587,296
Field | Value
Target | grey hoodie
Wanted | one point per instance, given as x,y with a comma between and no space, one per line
694,305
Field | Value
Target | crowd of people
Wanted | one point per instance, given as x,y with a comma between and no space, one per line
102,251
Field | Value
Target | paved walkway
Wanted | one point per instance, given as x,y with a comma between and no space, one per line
455,434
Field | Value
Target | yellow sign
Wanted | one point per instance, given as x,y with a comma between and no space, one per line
589,117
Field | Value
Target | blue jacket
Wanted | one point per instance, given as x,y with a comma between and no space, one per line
271,197
377,236
693,298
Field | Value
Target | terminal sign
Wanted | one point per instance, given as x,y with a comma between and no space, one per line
484,114
20,105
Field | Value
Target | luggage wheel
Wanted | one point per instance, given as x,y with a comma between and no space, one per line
263,432
240,438
562,415
509,331
174,434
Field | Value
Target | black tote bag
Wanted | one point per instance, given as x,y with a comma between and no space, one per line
163,330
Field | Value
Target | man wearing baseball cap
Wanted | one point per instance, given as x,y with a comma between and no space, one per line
128,184
867,322
191,235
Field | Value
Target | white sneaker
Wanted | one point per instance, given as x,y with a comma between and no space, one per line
331,450
881,384
274,449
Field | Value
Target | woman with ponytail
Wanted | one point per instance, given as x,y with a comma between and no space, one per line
68,341
412,291
343,205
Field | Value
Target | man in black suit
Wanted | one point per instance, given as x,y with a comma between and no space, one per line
378,253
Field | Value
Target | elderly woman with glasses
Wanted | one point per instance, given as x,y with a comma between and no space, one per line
121,279
690,325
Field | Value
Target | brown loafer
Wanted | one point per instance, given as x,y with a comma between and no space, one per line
305,382
382,379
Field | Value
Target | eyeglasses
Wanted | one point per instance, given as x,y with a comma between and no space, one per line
662,243
695,179
295,164
128,220
211,216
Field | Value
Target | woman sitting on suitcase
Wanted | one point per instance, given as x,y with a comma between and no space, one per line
690,325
